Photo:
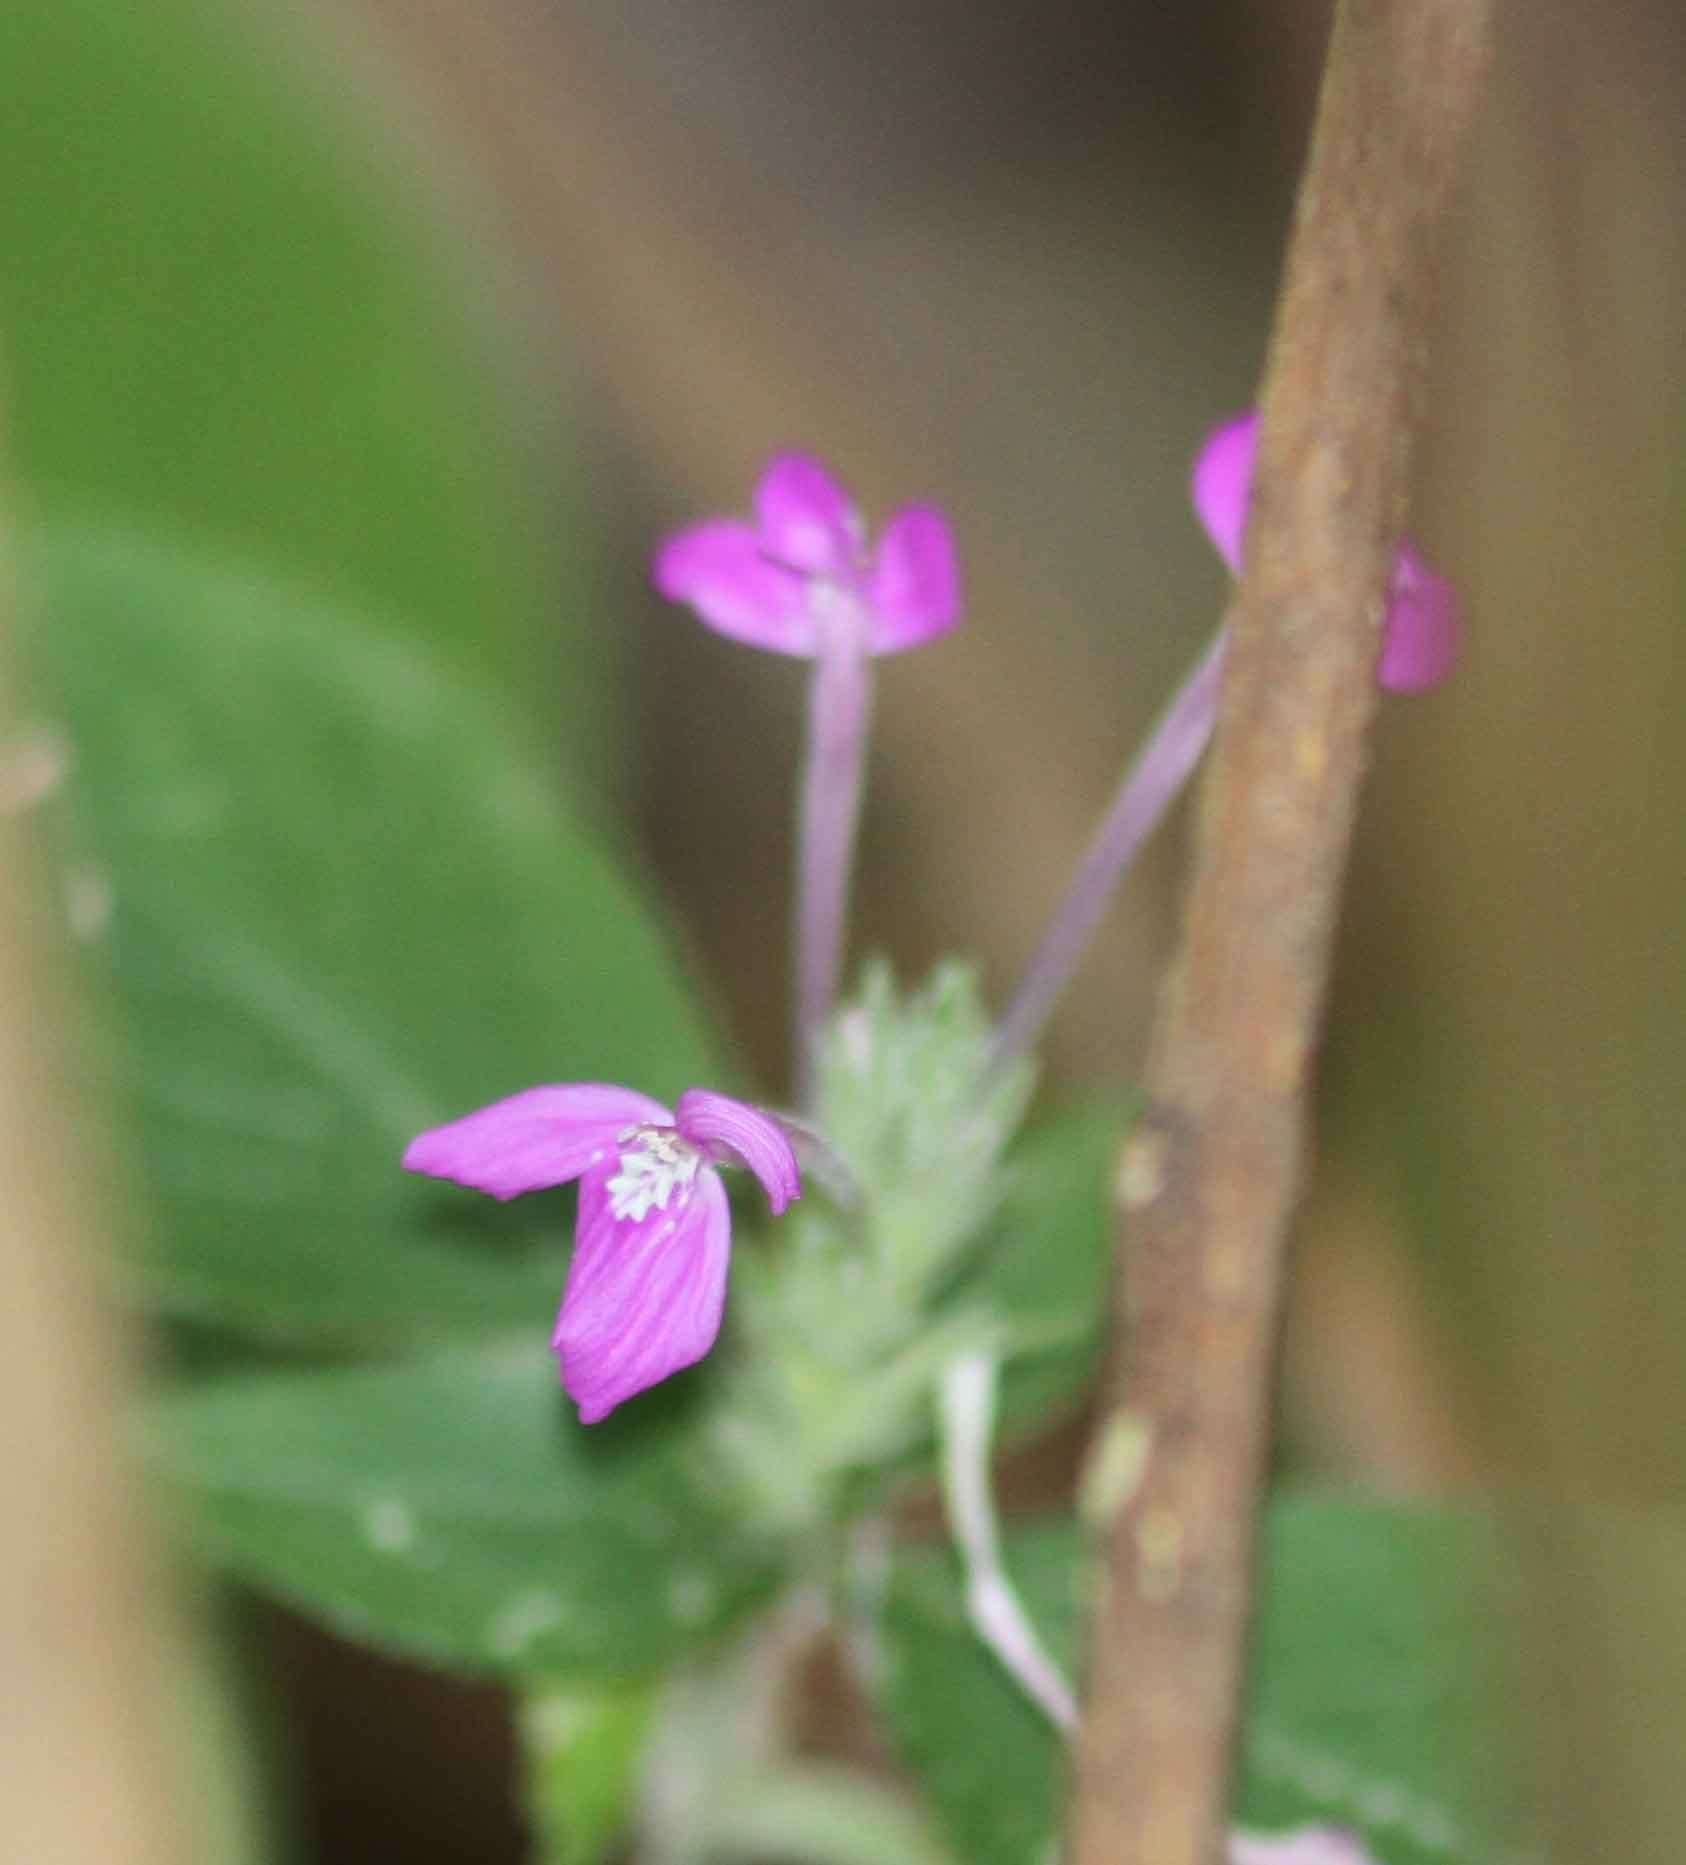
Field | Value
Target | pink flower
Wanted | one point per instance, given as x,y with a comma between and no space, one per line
1311,1845
654,1235
1423,622
802,570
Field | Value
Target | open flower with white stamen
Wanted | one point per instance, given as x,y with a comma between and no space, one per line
802,571
654,1238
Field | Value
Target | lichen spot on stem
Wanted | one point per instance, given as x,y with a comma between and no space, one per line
1159,1552
1141,1172
1114,1468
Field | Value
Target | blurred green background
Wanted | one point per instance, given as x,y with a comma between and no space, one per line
438,315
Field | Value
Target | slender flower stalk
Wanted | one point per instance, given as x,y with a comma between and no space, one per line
833,778
800,579
1420,631
1151,785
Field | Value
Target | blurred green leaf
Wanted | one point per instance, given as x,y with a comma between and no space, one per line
1374,1667
341,908
1369,1702
583,1749
228,1741
227,309
821,1814
1044,1269
987,1758
452,1509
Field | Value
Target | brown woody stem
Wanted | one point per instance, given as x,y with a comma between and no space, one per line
1210,1179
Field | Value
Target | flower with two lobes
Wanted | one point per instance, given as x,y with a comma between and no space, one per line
800,578
654,1237
1420,633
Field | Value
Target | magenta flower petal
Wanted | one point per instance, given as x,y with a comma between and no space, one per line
804,563
719,1127
644,1295
1421,630
806,518
914,592
721,569
540,1137
1311,1845
1424,626
653,1239
1223,478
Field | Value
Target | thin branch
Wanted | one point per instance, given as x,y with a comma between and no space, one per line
1211,1178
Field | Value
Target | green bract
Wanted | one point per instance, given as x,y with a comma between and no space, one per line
843,1320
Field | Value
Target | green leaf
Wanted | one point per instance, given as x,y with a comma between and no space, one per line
228,1741
231,310
1368,1707
1044,1269
583,1749
1371,1704
986,1756
341,908
452,1510
821,1814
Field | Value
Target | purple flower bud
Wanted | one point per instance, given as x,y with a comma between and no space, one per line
1421,630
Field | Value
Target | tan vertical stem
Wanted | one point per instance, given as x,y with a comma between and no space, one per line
1211,1178
87,1767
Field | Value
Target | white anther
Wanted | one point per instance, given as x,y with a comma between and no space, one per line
655,1165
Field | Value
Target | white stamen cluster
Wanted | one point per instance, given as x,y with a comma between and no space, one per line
655,1164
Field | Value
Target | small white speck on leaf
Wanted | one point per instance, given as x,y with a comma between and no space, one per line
690,1598
389,1525
88,901
1382,1804
556,1720
32,767
525,1618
